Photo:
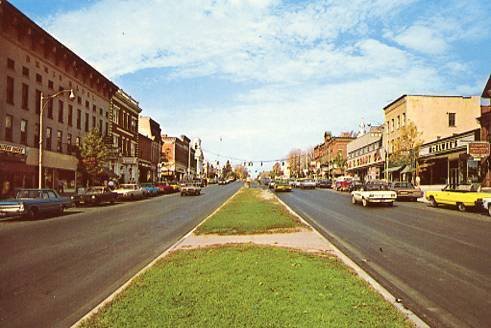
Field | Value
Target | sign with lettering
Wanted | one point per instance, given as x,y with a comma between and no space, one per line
12,149
478,149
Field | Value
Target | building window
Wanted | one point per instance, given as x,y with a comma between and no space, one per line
70,115
59,139
79,119
101,111
60,111
69,142
79,100
25,96
23,132
36,134
94,108
93,122
38,101
107,129
25,71
451,119
10,64
50,108
86,122
77,141
8,127
403,119
10,90
50,85
39,78
398,122
392,125
87,104
100,127
48,138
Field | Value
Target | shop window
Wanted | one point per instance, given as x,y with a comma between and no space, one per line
60,111
25,96
70,115
451,119
59,141
10,90
11,64
25,71
23,132
8,127
79,119
48,138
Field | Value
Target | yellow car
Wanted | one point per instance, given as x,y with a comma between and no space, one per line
462,196
281,185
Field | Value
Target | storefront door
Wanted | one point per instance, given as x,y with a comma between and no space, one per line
454,176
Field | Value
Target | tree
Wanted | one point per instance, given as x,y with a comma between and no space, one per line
241,171
93,154
276,171
406,146
294,157
227,170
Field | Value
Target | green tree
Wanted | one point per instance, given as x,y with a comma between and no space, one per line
406,146
93,154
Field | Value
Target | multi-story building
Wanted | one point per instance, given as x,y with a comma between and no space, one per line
32,63
332,153
198,157
177,156
435,117
123,140
485,121
365,154
150,152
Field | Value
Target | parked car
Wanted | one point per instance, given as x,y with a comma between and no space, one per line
486,204
373,192
406,190
149,189
222,182
272,184
190,188
307,184
282,185
325,184
164,188
97,195
175,185
462,196
129,191
33,203
354,185
342,183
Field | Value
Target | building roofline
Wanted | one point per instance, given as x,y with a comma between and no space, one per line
486,92
422,95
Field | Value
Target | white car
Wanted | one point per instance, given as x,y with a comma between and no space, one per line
373,192
307,184
129,191
486,204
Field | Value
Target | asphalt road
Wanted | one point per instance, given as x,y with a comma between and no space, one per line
53,271
438,261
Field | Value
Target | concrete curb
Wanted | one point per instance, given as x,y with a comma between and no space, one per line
111,297
411,316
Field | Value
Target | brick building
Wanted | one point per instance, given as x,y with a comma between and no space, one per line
332,153
366,155
150,149
33,62
485,121
176,154
123,140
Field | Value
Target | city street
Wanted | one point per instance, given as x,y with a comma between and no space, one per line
57,269
437,261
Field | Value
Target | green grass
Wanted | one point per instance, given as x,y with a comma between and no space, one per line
249,213
248,286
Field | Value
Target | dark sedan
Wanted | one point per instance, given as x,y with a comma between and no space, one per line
97,195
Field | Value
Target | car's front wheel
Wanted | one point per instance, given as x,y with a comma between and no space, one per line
353,200
364,202
489,210
433,202
461,207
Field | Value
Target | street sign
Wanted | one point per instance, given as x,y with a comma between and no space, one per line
478,149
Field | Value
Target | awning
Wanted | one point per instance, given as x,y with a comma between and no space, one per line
393,169
408,169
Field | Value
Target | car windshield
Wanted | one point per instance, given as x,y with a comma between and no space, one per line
95,189
376,187
28,194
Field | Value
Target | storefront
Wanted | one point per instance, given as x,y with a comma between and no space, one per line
14,173
450,160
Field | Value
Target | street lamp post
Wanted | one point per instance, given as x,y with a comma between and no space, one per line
42,103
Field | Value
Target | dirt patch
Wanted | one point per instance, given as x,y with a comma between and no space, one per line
267,195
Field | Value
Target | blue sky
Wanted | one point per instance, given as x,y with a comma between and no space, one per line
256,78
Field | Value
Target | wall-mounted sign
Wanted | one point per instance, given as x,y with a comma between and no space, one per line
12,149
478,149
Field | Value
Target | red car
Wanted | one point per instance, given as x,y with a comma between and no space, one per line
164,188
343,183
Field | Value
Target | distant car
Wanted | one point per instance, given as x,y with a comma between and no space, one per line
462,196
129,191
149,189
282,185
176,186
406,191
98,195
373,192
33,203
342,183
164,188
272,184
222,182
325,184
355,184
307,184
190,188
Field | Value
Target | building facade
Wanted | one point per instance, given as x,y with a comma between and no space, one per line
32,63
331,155
177,155
150,153
435,117
123,140
485,121
365,154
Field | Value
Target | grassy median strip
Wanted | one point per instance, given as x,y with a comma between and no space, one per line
250,211
248,286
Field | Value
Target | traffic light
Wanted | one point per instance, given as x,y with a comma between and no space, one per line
261,163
